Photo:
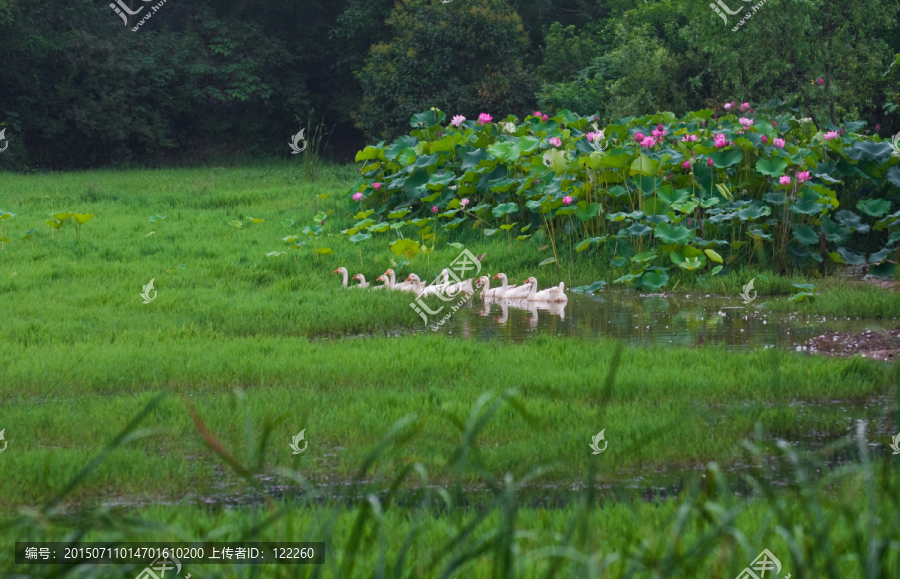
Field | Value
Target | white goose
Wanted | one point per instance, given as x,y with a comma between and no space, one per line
517,293
501,291
437,288
403,285
385,280
551,294
417,286
343,272
363,284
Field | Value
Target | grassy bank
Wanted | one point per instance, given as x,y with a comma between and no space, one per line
698,405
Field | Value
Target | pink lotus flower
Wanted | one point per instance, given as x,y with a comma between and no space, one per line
688,138
464,202
877,127
567,200
779,143
376,186
784,180
545,118
555,141
774,124
358,196
484,118
745,107
803,176
434,209
649,142
764,140
658,133
820,81
537,114
458,120
719,141
745,122
729,105
841,132
686,165
709,163
830,135
591,136
639,136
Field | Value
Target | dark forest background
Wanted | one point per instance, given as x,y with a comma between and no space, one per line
204,80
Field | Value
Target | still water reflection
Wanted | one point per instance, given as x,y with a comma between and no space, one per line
682,320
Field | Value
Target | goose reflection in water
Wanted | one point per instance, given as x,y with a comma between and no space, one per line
555,309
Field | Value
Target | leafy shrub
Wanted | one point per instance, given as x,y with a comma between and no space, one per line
460,55
698,193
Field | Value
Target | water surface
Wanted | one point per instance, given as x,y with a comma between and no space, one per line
681,320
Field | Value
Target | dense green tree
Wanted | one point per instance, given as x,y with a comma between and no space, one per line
462,57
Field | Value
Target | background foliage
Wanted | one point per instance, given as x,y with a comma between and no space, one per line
205,80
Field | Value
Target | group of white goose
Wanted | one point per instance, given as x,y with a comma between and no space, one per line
527,291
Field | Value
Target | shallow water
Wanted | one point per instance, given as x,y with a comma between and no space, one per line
681,320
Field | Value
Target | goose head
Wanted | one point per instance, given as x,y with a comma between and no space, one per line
499,276
360,277
383,279
483,281
413,278
342,270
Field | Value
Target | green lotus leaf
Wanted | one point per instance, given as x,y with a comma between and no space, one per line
82,218
237,224
618,262
644,165
677,234
880,256
490,232
851,220
800,296
669,195
547,261
370,153
505,209
653,281
805,234
360,237
405,247
506,152
727,158
645,257
637,229
773,167
851,257
325,251
692,263
713,255
585,212
275,253
626,279
834,233
593,288
874,207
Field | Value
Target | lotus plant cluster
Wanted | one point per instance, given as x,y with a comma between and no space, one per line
710,190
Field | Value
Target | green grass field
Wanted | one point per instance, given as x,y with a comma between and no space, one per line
250,349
